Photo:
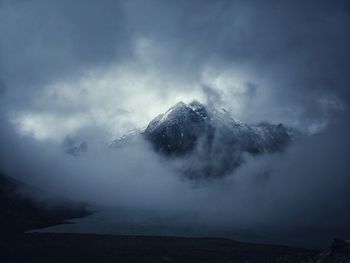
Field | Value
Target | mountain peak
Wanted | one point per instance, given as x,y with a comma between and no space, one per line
179,105
194,105
212,141
199,108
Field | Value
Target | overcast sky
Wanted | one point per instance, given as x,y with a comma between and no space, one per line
92,70
66,66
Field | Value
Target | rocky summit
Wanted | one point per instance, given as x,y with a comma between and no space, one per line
210,142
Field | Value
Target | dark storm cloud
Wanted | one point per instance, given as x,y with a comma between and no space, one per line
301,48
42,41
292,58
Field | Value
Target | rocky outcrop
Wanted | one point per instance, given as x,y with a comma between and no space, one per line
210,142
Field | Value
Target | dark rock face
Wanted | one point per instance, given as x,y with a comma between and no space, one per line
177,131
212,139
210,142
180,129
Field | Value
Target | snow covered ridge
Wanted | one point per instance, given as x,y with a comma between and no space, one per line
211,142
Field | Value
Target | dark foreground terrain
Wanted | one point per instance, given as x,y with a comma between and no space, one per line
103,248
20,213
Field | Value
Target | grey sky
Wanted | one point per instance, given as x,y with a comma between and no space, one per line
104,52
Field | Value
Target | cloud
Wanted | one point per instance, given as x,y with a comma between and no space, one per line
91,70
302,189
167,52
44,42
2,88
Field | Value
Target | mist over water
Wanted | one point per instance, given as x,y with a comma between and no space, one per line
297,197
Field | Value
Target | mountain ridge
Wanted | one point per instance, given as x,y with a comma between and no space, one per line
213,140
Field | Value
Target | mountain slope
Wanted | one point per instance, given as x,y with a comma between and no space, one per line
213,142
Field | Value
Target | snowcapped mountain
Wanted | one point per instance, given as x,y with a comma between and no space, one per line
211,142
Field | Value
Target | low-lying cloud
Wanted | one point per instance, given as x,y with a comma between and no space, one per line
305,186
